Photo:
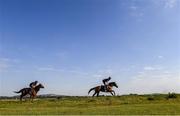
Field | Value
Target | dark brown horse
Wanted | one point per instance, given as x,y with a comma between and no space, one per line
101,88
29,91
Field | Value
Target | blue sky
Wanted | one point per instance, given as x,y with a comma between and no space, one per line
70,46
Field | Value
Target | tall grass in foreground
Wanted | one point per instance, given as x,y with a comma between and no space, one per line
127,104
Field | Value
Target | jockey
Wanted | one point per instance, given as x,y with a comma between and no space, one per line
32,85
105,82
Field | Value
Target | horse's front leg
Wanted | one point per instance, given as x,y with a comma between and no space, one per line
113,92
30,98
34,96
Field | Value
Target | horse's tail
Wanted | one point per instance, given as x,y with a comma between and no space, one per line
91,89
18,91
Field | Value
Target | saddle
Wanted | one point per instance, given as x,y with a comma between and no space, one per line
32,91
104,88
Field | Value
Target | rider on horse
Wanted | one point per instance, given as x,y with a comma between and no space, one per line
32,86
105,82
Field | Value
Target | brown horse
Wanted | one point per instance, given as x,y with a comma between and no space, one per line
29,91
101,88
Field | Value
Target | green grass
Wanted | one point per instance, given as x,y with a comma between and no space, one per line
126,105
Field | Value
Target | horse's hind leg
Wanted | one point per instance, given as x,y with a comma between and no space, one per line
97,94
21,96
94,94
32,99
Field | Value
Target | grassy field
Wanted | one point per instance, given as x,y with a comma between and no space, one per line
126,105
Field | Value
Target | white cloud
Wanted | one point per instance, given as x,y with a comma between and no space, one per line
152,80
7,63
62,55
160,57
133,7
77,72
97,76
4,64
103,73
149,68
46,69
136,12
152,68
166,3
106,71
170,3
51,68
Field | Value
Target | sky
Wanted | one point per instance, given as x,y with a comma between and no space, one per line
71,45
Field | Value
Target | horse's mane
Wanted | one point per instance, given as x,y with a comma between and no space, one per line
38,87
112,82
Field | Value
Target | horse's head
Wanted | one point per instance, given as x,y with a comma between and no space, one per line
38,87
41,86
113,84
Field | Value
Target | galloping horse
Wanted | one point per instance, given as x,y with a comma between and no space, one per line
101,88
28,91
